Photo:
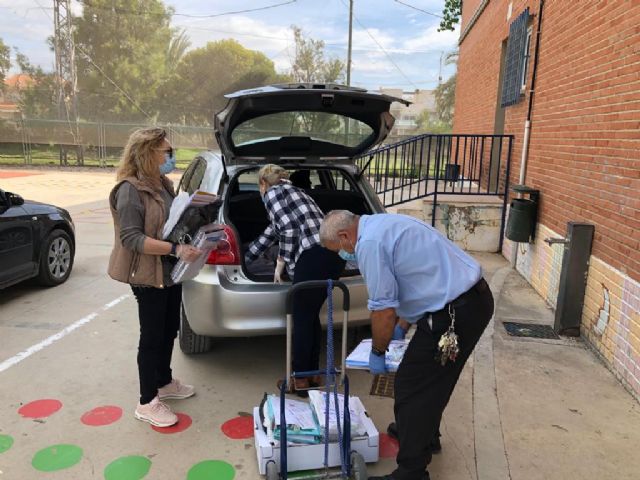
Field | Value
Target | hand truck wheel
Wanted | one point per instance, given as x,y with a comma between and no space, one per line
358,467
272,471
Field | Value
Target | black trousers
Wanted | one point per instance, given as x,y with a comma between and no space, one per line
316,263
159,314
423,386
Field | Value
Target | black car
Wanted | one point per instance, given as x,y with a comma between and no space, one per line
36,240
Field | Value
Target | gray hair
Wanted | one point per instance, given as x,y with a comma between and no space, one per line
333,222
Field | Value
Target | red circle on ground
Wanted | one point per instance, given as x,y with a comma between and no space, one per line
388,446
238,428
100,416
184,422
40,408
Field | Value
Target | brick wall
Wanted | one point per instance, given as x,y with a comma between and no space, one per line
584,153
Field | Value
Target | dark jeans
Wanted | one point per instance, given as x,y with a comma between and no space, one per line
423,386
159,314
316,263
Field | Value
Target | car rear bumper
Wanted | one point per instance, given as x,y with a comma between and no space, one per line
219,302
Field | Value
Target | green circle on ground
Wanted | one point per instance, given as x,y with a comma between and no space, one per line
211,470
56,457
133,467
302,474
5,443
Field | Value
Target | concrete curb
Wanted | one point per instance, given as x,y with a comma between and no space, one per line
490,453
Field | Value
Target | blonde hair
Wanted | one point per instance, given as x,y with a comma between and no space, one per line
272,174
137,159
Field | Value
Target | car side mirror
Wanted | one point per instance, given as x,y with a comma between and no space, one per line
13,199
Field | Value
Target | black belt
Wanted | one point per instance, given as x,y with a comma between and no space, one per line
481,286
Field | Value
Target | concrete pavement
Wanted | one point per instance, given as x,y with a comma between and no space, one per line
523,409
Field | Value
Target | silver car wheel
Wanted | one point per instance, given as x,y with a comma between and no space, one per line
59,257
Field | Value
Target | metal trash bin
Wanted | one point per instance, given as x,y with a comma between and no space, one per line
451,173
523,215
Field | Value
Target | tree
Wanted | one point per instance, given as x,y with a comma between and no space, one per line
310,65
121,51
5,63
178,47
196,91
445,93
451,15
38,99
428,122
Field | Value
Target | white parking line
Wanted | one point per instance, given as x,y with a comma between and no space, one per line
10,362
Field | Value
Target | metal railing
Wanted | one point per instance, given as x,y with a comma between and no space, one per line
431,165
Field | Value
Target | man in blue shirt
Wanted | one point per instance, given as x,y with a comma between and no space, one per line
415,273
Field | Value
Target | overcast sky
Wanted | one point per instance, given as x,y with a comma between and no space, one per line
394,45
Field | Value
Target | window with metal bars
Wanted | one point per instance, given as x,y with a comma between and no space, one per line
514,63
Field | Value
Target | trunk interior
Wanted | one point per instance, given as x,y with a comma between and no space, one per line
332,189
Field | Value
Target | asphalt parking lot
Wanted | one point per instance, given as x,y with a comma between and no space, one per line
69,378
69,386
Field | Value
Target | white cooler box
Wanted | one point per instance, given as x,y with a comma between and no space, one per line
309,457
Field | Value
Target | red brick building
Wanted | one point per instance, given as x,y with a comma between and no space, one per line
584,148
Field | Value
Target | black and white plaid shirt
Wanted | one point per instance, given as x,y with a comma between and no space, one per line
295,224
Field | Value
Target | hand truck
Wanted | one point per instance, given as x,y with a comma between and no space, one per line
352,462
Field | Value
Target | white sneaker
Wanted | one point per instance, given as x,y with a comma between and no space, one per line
176,390
156,413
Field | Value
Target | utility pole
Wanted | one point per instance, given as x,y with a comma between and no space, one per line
348,125
350,42
67,75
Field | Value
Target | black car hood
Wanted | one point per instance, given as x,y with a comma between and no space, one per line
34,207
370,108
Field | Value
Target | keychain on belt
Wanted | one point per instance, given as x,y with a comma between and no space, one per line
448,347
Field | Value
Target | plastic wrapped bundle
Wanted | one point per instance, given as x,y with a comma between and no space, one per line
302,424
356,410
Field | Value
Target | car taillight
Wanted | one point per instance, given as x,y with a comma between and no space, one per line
227,252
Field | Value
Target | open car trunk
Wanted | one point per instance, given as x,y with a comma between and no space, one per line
332,189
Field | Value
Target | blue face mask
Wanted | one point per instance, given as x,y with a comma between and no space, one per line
169,164
347,257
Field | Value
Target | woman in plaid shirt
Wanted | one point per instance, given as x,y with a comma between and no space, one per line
295,220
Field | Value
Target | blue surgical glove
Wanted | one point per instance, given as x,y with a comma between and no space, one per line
398,332
376,364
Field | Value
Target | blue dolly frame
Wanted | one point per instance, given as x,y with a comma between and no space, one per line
352,463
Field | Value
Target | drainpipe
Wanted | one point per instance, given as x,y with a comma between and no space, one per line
527,124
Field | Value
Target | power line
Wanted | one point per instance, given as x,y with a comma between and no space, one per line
238,11
187,15
399,51
418,9
381,48
189,27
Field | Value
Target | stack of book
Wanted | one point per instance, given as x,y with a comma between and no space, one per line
206,240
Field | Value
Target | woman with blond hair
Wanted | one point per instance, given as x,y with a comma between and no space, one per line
295,220
140,204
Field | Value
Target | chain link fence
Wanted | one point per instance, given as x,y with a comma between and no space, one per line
27,141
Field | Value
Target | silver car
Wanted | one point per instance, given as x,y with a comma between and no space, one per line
315,131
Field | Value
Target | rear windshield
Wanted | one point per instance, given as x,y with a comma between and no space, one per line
322,126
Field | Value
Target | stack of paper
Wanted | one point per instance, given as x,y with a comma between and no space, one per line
202,198
359,358
356,412
205,240
302,425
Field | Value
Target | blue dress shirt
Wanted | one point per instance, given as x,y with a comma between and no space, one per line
410,266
